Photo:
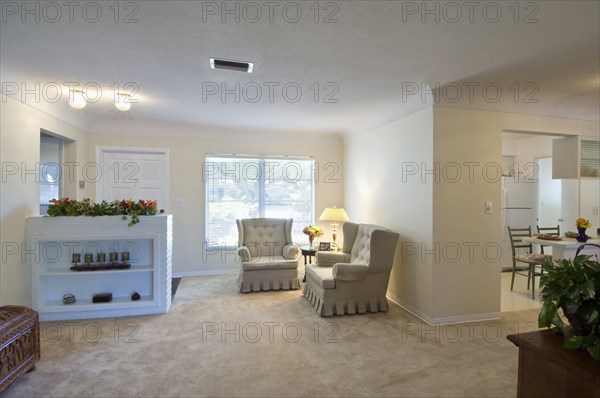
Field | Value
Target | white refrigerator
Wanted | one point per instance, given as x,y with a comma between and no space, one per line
518,198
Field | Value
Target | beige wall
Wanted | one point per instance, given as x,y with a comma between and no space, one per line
187,154
20,131
20,145
466,277
468,289
384,178
454,274
379,192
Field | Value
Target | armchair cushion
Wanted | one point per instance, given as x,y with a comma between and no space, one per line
350,272
323,276
277,262
265,236
328,259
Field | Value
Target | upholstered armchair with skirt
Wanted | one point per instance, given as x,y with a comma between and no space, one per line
269,257
355,279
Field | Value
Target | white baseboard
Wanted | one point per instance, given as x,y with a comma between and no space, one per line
443,320
210,272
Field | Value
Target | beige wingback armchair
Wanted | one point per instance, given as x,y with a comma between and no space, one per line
355,279
269,258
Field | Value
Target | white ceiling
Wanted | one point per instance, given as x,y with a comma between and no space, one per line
370,56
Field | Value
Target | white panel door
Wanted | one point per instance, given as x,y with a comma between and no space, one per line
134,174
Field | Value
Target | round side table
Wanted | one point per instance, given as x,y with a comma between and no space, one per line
308,253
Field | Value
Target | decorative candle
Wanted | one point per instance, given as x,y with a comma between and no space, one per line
101,257
88,257
76,257
124,256
113,257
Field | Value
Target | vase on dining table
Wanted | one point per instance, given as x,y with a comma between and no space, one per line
581,236
311,240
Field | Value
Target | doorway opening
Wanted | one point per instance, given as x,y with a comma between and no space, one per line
531,198
50,179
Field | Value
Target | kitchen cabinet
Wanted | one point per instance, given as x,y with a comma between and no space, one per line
575,157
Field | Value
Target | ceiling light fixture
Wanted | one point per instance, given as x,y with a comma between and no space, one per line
76,99
122,103
240,66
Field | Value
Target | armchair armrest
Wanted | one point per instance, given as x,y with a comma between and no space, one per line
349,272
244,253
291,252
328,259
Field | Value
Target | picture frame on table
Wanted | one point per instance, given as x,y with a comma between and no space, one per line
324,246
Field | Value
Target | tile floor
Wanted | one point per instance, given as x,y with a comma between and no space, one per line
519,298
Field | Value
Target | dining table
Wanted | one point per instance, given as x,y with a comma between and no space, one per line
565,248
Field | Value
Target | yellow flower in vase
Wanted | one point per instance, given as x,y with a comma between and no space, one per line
583,223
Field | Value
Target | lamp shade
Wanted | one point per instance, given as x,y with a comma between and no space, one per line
334,214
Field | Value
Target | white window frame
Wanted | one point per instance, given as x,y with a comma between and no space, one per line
209,158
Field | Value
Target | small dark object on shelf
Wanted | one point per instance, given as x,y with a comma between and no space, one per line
100,267
69,298
102,298
135,296
101,257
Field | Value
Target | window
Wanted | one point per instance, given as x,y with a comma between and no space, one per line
245,187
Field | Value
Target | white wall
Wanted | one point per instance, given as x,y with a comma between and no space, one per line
20,126
385,184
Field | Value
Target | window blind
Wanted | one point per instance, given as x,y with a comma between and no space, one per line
590,158
249,187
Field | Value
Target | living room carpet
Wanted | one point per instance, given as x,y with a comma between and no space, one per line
216,341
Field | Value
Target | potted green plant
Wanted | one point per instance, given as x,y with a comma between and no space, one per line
571,288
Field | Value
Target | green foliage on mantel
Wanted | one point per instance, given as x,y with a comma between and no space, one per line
86,207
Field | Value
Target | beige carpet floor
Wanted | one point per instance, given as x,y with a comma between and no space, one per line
218,342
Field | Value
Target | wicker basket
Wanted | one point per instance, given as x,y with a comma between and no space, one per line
19,343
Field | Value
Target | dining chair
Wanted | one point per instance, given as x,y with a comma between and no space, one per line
552,231
580,248
530,258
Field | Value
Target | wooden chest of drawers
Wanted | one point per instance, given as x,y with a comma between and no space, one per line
548,370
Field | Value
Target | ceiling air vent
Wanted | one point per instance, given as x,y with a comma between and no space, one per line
239,66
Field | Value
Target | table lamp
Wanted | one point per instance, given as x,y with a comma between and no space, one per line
334,215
